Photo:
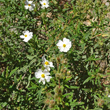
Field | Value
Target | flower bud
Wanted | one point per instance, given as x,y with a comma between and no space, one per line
57,75
58,59
3,55
47,101
64,70
68,73
55,96
43,68
49,15
56,90
48,94
58,100
60,75
52,103
38,23
65,34
64,61
43,14
100,102
54,1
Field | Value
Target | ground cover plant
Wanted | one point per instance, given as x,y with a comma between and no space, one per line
55,55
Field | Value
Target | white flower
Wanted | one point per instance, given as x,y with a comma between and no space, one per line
27,36
44,3
108,95
64,45
29,5
43,75
107,3
47,64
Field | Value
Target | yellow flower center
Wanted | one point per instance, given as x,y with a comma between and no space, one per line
44,3
46,63
29,4
43,75
64,45
25,35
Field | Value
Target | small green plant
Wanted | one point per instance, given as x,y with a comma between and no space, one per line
54,55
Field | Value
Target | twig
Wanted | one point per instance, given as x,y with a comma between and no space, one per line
44,107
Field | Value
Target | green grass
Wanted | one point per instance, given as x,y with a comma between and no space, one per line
80,77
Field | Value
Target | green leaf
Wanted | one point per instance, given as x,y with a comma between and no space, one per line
67,79
88,79
67,104
12,72
28,81
68,94
72,87
30,57
73,104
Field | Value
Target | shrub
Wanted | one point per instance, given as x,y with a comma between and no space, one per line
80,76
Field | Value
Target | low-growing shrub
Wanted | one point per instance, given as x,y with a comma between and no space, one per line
55,55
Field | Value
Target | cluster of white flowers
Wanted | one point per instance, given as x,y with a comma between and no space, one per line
44,74
29,5
64,45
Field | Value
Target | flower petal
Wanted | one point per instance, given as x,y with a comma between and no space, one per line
48,78
51,64
43,81
26,6
41,2
33,5
26,2
65,40
30,2
59,43
46,73
22,36
31,8
47,6
31,34
39,71
47,68
39,80
25,32
26,40
37,75
43,58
